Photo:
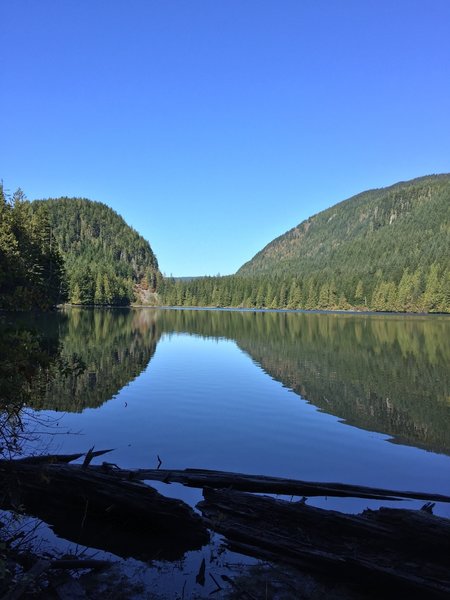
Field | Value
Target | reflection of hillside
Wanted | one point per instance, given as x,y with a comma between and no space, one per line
115,347
385,374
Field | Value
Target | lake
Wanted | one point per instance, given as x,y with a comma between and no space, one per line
363,399
354,398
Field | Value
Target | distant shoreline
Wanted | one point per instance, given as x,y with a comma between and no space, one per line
262,310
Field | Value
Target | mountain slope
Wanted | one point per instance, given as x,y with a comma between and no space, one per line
385,249
107,262
403,226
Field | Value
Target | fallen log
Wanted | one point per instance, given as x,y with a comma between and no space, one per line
391,549
99,510
264,484
200,478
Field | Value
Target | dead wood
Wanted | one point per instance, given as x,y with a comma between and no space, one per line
99,510
393,549
48,459
200,478
110,508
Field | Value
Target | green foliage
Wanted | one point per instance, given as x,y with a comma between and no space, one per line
383,250
31,267
418,291
106,260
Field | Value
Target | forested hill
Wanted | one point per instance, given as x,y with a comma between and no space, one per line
107,262
405,226
382,250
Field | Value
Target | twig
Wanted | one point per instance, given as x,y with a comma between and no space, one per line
218,588
239,588
90,454
85,514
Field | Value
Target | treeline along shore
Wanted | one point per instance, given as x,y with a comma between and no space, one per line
382,250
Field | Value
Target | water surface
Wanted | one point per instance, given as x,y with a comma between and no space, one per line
363,399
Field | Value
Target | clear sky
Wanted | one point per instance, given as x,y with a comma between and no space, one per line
213,126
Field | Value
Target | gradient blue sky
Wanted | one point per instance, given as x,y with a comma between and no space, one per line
213,126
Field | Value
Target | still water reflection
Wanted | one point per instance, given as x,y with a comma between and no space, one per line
311,396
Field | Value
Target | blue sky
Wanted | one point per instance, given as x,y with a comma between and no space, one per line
213,126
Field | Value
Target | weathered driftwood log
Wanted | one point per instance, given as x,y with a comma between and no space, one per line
391,548
201,478
265,484
98,509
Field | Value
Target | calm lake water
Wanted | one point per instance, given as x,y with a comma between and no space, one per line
362,399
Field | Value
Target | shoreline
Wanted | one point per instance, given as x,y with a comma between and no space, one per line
261,310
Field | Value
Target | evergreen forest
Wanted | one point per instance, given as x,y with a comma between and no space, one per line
382,250
32,272
107,262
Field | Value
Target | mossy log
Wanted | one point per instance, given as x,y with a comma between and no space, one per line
390,549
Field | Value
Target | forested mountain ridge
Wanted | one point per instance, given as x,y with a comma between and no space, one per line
406,225
107,262
382,250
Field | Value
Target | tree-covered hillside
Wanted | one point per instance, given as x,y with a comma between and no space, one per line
405,226
107,262
31,268
383,250
382,247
